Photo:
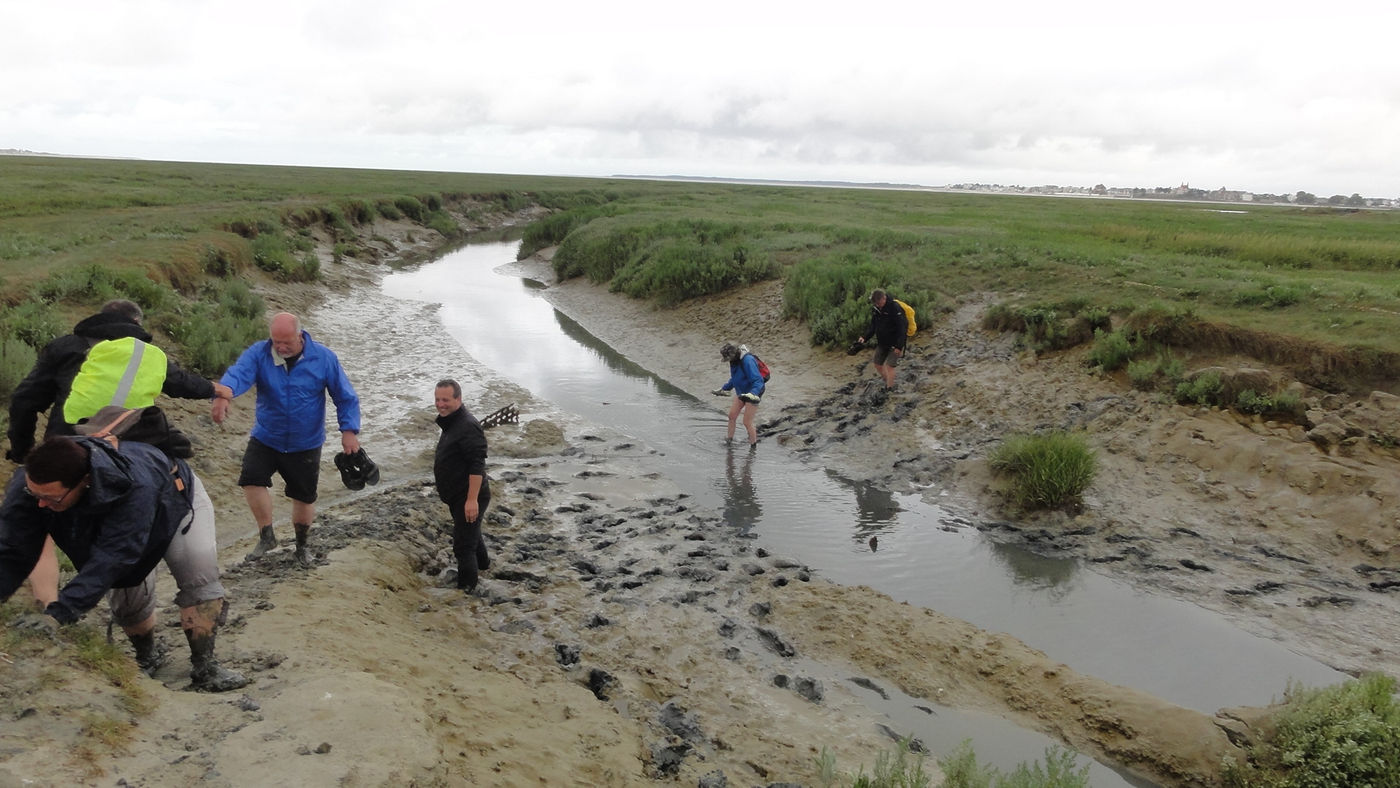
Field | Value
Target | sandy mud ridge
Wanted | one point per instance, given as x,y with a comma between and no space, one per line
619,638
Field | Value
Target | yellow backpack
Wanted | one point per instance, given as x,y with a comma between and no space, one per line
909,313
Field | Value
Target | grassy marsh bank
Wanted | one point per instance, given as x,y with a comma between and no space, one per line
1287,283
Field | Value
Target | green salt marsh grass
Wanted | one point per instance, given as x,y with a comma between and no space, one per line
1323,277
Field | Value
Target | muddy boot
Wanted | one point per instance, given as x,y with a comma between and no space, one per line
206,675
150,653
303,555
267,541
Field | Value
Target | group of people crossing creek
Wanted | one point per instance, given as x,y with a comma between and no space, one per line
110,483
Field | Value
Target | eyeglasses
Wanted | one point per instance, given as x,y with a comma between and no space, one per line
49,499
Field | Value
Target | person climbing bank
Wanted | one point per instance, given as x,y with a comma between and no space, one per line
293,374
889,327
117,511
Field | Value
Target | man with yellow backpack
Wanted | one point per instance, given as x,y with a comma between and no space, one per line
891,325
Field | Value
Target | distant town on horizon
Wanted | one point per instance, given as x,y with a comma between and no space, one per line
1183,192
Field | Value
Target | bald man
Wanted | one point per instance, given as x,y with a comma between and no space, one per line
293,374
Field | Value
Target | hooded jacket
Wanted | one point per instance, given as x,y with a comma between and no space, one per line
47,385
744,377
115,534
888,325
461,453
291,409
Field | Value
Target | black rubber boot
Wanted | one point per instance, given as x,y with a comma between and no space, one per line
267,541
206,675
303,555
150,653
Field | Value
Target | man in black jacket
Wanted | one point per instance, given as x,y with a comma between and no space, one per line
459,468
117,511
47,385
889,327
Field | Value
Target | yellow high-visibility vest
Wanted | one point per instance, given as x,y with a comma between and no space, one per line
125,372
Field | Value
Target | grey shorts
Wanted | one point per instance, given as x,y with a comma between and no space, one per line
885,356
193,559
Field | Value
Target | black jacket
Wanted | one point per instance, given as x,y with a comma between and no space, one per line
461,453
889,326
47,385
115,535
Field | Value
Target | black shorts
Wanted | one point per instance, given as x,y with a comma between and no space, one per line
299,469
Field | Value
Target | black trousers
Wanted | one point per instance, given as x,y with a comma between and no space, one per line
467,542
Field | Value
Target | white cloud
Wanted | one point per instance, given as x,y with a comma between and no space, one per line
1273,97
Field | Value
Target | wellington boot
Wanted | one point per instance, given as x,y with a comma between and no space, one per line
267,541
303,553
151,653
206,674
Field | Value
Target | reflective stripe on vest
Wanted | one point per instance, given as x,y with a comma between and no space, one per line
125,372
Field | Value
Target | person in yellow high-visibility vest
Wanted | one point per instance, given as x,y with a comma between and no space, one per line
125,370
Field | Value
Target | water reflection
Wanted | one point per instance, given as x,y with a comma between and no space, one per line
877,510
1053,576
611,358
741,507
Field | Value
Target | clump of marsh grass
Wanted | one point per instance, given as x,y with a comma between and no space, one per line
900,768
961,770
1045,471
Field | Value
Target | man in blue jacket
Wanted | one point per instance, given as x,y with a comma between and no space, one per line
293,374
117,511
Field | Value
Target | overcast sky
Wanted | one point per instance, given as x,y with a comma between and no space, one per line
1271,97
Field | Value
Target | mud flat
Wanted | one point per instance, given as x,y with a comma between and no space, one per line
625,637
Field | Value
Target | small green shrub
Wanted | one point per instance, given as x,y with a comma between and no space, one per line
1142,374
1048,327
16,359
1280,404
218,262
898,769
358,211
1344,735
1112,350
1271,296
270,254
444,224
307,269
34,323
1046,471
334,219
961,770
388,210
411,207
1204,389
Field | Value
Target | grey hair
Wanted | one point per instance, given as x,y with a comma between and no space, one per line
127,309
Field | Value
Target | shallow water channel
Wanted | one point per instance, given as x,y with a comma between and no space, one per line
926,556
